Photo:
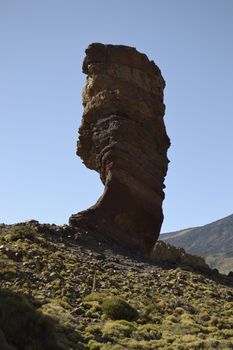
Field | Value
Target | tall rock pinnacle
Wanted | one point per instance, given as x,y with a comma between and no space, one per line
123,137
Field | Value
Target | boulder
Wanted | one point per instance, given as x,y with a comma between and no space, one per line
166,253
123,137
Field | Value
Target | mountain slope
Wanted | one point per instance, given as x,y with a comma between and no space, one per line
214,242
60,289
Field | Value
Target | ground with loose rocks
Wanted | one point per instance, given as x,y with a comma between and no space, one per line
67,288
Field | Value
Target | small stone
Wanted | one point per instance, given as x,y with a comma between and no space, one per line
53,274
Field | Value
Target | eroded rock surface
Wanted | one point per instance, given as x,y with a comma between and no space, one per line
123,137
167,253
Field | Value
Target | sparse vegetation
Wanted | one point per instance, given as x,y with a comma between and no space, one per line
22,326
47,299
21,232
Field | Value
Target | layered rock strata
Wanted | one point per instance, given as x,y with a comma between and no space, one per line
167,253
123,137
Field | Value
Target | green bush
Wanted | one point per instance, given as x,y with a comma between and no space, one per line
148,332
117,309
118,329
93,345
95,296
21,232
22,326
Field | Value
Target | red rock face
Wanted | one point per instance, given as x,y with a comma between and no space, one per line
123,137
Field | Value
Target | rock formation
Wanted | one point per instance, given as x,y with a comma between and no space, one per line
166,253
123,137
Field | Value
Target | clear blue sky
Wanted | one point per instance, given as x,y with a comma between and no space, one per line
42,45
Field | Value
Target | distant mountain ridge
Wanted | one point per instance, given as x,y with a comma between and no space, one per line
213,241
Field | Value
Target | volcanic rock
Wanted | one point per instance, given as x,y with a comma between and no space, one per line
167,253
123,137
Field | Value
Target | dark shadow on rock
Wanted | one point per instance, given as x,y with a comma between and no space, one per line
96,242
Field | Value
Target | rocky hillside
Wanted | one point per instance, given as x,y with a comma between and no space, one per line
66,289
214,242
